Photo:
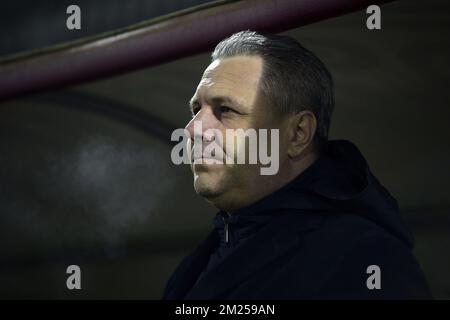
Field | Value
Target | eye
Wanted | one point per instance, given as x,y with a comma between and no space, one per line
195,110
224,109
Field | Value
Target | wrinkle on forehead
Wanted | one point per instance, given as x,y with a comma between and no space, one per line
238,76
206,82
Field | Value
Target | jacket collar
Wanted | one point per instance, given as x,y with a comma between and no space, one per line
267,245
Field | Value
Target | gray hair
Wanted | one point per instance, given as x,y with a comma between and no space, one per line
293,78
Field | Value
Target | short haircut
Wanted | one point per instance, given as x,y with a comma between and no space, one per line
293,78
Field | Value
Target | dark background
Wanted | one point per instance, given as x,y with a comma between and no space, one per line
86,176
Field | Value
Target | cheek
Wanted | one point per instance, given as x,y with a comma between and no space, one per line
188,150
236,145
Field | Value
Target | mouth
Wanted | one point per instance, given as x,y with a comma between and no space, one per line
207,160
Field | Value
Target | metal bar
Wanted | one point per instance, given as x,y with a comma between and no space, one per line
165,40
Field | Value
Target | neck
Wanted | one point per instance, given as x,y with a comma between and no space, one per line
265,186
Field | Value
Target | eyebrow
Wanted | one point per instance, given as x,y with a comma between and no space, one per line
216,100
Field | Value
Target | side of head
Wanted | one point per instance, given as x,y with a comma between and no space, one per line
260,81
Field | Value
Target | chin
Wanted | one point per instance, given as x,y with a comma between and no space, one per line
205,184
210,181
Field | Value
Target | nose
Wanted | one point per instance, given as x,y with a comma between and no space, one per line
204,119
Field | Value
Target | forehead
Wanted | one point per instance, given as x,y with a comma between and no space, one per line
237,77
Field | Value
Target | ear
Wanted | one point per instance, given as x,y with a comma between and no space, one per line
303,127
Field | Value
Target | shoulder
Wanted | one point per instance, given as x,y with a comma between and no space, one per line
357,249
352,227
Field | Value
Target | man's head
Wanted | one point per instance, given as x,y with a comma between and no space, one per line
261,82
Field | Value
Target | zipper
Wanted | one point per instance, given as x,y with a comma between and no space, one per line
225,222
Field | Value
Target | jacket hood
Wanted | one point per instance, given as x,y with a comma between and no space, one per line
340,181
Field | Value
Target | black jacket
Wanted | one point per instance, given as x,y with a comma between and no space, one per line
312,239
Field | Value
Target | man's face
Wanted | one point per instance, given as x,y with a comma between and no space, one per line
227,97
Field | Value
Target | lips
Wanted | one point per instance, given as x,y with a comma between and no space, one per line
202,160
205,157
